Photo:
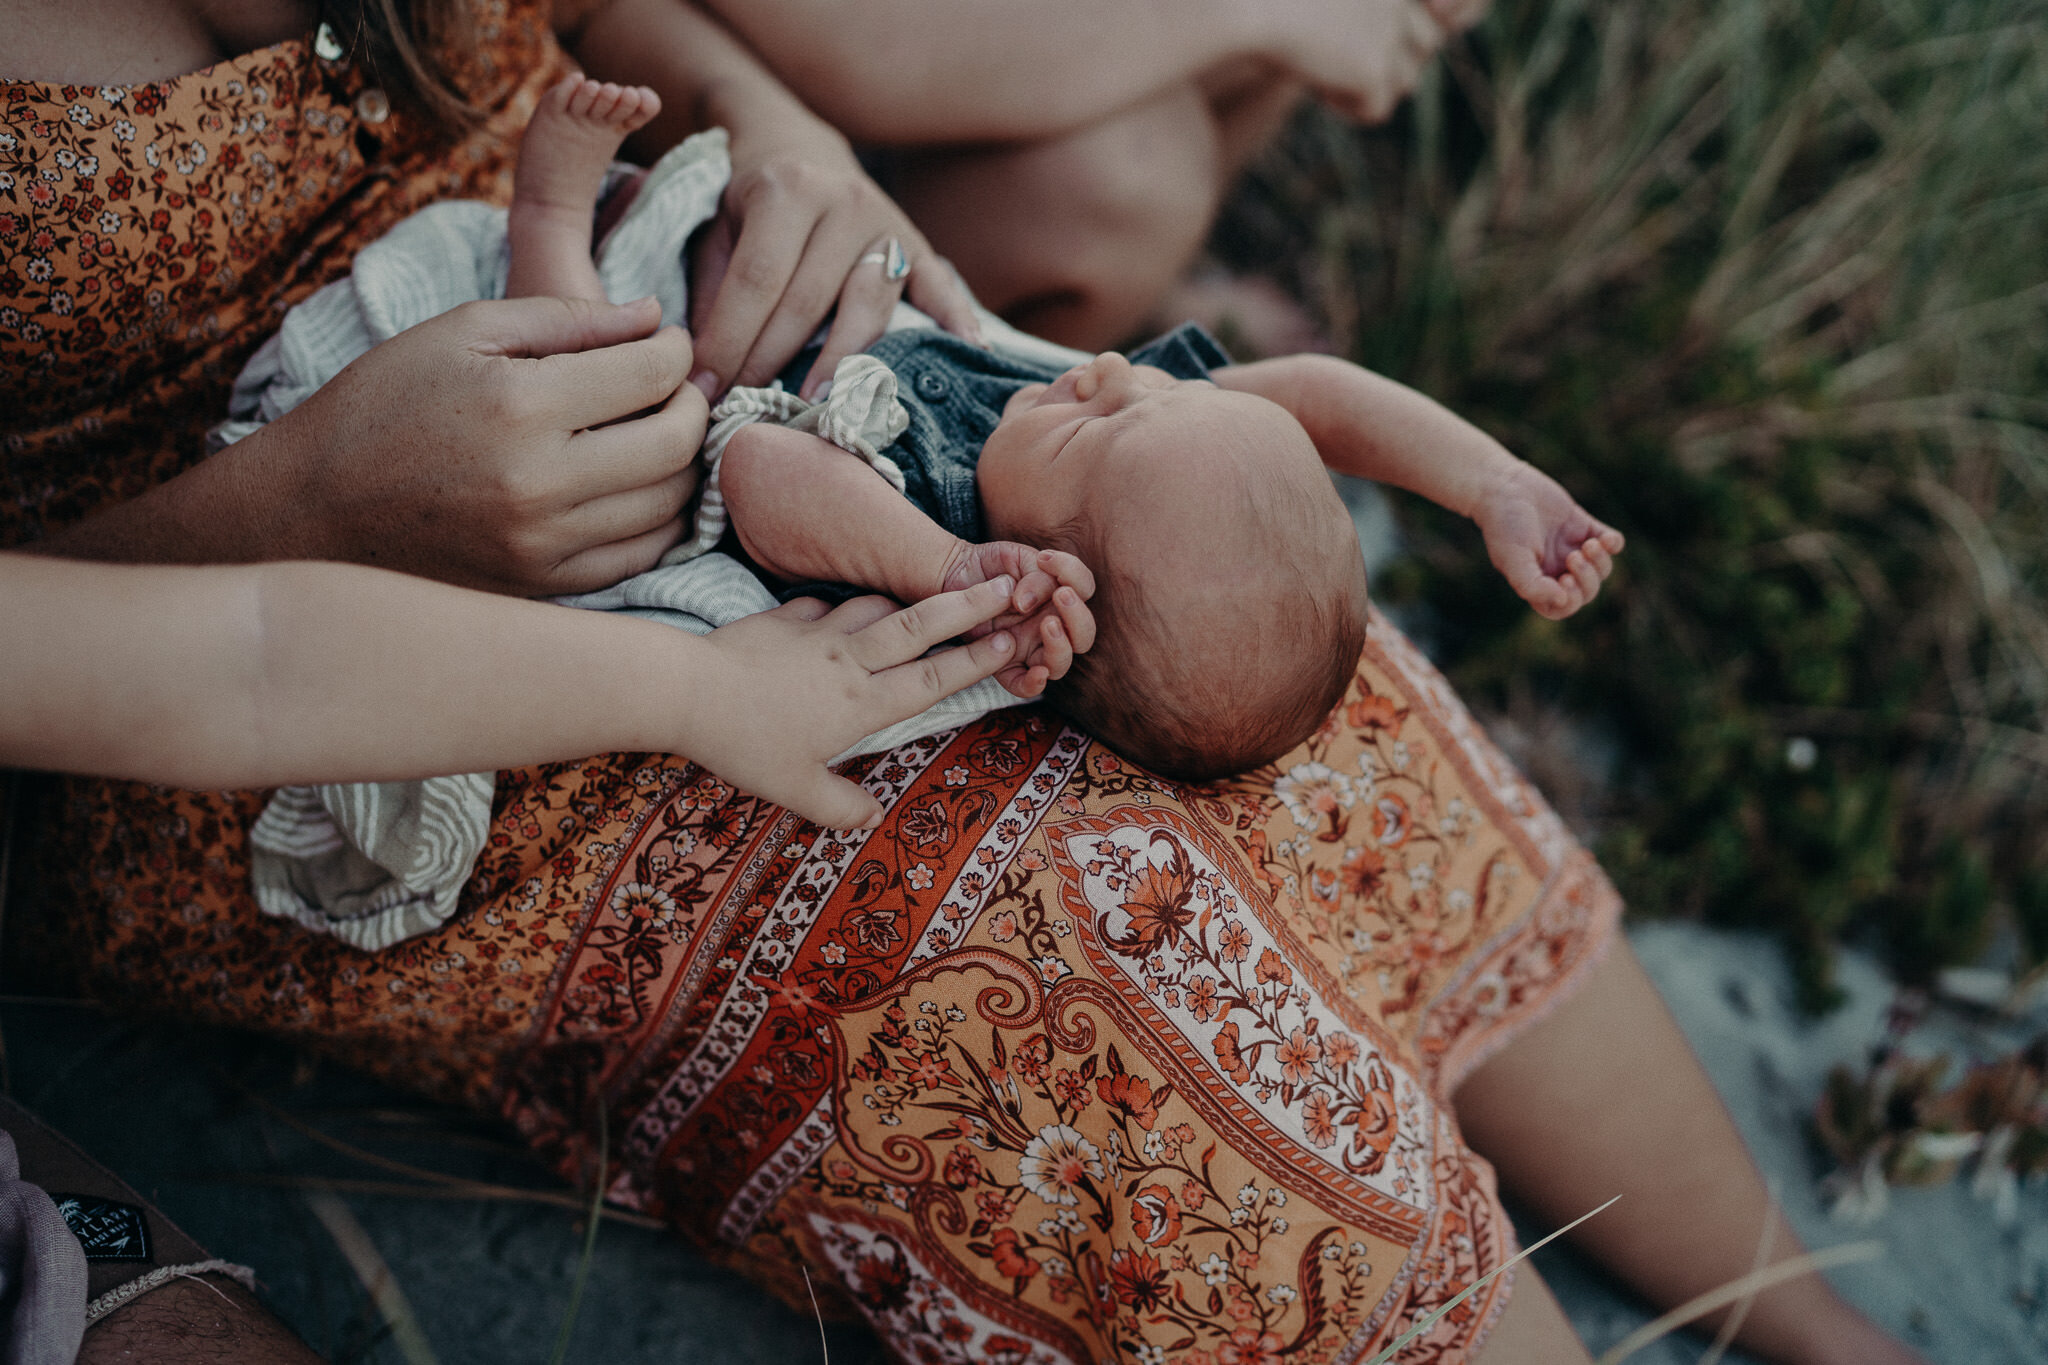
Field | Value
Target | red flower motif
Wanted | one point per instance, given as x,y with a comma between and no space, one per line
1372,712
1073,1090
1249,1346
1235,942
926,826
1009,1258
1317,1120
1159,903
1230,1056
1298,1056
1032,1059
1201,998
1130,1094
1155,1215
1273,969
1137,1279
1363,871
963,1167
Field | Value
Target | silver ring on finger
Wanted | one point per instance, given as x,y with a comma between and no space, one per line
893,260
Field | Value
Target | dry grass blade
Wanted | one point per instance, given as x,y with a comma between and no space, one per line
364,1259
478,1192
583,1262
1430,1321
824,1346
1734,1291
1725,1338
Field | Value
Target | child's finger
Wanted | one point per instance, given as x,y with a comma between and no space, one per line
910,687
1602,561
836,803
1033,590
897,637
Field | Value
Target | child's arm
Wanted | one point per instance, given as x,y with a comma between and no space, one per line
806,510
283,673
1552,551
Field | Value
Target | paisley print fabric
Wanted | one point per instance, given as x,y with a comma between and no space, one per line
1062,1063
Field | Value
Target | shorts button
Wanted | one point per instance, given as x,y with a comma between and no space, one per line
373,106
933,388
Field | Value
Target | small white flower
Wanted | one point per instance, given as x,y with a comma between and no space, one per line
1278,1198
1248,1196
1237,1217
110,222
1420,874
66,157
1399,755
112,94
1279,1227
1281,1293
79,115
1215,1270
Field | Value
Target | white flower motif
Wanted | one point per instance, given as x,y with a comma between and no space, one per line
151,156
66,157
1279,1227
1421,874
1278,1198
1400,755
1151,1355
1282,1293
112,94
1248,1196
6,142
39,268
124,131
1055,1162
1459,900
1312,791
1215,1270
110,222
88,166
1237,1217
1332,1251
79,115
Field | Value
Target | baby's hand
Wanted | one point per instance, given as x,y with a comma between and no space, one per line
1048,615
1552,552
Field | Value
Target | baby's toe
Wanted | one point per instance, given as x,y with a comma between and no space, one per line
582,97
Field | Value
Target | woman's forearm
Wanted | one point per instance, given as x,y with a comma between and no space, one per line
933,71
236,507
221,677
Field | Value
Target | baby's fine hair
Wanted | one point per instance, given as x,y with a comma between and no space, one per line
1195,714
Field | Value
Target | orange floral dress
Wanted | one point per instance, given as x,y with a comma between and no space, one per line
1062,1063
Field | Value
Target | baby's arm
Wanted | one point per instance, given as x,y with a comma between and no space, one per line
286,673
1552,551
806,510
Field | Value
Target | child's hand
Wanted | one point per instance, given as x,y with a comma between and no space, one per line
1048,612
1552,552
790,688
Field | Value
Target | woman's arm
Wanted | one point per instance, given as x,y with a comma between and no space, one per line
951,71
225,677
494,446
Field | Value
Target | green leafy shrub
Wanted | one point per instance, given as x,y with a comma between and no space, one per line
1765,282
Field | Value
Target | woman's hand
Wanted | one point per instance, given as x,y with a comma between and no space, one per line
803,230
1363,57
528,446
793,687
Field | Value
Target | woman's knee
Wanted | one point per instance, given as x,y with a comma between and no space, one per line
1077,237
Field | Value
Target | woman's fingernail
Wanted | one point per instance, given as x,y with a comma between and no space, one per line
1001,642
1004,584
706,381
873,821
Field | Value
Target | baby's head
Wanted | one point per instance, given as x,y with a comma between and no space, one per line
1230,592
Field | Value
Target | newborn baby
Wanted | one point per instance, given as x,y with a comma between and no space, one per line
1226,603
1191,579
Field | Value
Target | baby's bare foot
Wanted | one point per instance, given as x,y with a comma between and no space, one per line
573,136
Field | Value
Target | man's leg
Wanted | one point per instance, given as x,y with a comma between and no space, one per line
1605,1097
1077,238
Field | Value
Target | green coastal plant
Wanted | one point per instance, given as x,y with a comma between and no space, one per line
1764,282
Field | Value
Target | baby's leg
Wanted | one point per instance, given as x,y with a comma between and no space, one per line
572,138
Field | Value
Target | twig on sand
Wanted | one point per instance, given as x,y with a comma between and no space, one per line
364,1259
1747,1287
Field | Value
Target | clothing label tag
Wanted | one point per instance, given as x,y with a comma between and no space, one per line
108,1231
